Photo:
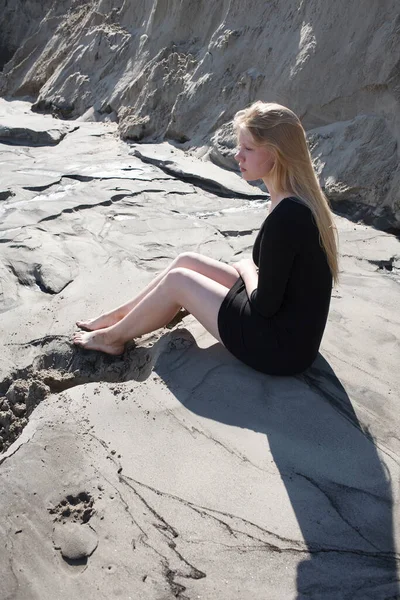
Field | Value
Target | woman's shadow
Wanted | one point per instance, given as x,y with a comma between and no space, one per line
338,486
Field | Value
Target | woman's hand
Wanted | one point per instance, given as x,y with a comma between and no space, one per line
248,272
243,264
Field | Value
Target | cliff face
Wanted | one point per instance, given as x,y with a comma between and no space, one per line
19,19
180,70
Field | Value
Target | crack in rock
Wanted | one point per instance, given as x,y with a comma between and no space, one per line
236,233
385,265
41,188
258,534
4,195
317,379
169,532
108,202
336,508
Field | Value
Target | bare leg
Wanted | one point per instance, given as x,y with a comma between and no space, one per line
218,271
200,295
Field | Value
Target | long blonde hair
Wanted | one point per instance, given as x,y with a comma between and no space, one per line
279,130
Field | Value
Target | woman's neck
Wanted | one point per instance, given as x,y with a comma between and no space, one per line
277,197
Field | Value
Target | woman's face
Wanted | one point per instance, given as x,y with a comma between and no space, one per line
255,162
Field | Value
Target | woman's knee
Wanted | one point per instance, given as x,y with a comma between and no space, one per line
219,271
186,259
176,281
176,275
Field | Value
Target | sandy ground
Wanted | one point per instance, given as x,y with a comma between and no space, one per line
175,471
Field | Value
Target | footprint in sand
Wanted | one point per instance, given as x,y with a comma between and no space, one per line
76,542
72,535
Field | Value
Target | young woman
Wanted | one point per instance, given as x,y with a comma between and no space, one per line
271,318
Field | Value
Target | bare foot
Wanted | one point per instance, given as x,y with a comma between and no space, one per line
98,340
101,322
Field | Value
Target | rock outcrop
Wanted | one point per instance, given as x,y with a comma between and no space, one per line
174,470
179,71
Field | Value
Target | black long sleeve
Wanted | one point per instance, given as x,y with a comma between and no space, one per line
288,232
274,252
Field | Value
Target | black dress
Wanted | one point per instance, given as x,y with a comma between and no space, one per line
279,329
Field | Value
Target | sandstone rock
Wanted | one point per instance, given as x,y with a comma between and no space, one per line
51,276
9,294
142,444
163,76
15,29
357,164
28,137
26,130
38,262
222,147
206,175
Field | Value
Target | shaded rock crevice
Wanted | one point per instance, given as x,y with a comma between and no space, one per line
202,182
4,195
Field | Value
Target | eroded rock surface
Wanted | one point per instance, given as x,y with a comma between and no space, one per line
164,70
175,471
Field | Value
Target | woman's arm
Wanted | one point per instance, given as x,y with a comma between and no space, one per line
247,270
277,253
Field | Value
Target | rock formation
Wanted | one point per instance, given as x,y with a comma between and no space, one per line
179,71
175,471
